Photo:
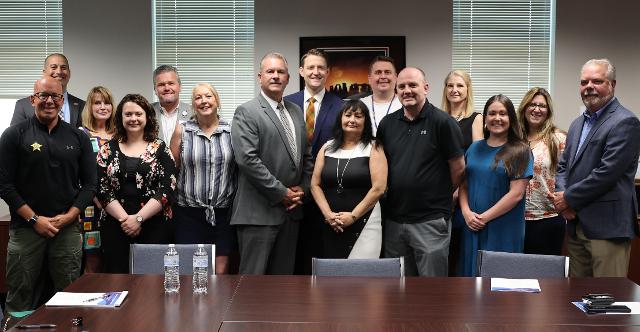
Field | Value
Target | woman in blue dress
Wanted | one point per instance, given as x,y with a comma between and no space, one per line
498,170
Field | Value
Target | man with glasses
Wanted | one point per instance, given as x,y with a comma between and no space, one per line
56,66
47,176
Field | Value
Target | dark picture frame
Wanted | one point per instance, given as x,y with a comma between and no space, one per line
349,59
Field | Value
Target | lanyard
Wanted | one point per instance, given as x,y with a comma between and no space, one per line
373,110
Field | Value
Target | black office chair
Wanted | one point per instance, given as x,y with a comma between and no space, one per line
514,265
379,267
149,258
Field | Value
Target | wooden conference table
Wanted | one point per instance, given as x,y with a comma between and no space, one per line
304,303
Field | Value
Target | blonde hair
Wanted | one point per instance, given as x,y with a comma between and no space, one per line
446,106
88,121
209,87
548,129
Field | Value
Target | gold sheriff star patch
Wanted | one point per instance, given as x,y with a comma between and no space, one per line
36,146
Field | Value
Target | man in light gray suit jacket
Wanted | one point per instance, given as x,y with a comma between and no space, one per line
270,146
595,179
56,65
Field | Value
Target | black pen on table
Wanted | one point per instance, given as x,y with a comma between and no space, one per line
104,296
36,326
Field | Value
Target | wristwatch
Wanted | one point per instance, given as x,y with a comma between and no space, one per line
33,219
139,219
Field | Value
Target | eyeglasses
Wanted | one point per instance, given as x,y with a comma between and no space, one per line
43,96
533,106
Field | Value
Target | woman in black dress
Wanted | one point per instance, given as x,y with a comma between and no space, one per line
349,177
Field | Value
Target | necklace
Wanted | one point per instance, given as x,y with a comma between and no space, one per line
340,177
459,116
373,110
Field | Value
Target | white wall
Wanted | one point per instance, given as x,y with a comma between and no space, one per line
109,43
588,29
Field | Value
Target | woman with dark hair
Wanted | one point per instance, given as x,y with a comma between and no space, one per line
498,170
136,181
544,233
98,124
349,177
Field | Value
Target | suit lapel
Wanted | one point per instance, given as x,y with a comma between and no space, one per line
606,114
271,113
325,108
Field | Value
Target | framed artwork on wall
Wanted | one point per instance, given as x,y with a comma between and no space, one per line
349,59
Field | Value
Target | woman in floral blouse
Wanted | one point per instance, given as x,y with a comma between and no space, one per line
544,233
136,183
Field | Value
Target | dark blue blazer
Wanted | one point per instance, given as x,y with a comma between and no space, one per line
598,180
325,120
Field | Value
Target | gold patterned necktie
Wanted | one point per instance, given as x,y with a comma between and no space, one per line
310,117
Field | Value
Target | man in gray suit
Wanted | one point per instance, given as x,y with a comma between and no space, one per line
270,146
595,179
169,110
56,65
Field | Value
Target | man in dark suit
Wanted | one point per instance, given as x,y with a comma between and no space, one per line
270,147
321,106
321,109
56,65
595,179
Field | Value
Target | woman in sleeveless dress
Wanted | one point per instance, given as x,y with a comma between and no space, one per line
349,177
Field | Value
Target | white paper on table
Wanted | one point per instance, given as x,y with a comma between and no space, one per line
68,299
515,285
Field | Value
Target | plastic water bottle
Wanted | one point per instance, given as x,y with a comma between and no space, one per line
171,270
200,270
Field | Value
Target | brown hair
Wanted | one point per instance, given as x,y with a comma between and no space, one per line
150,128
548,130
515,154
316,52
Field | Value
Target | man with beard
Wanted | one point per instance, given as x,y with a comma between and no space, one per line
595,178
169,109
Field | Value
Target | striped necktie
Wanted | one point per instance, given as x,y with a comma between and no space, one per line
288,131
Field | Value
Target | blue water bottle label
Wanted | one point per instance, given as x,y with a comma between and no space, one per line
201,261
171,261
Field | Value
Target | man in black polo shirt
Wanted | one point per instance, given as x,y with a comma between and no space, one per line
47,176
423,146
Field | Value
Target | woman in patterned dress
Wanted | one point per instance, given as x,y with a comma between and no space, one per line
136,183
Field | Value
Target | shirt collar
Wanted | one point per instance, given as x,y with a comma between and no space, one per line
421,115
598,113
319,96
272,103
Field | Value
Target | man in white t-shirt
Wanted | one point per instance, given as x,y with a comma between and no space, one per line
169,109
382,79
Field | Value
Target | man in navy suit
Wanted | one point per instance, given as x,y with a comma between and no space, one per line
56,66
320,115
595,178
321,108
